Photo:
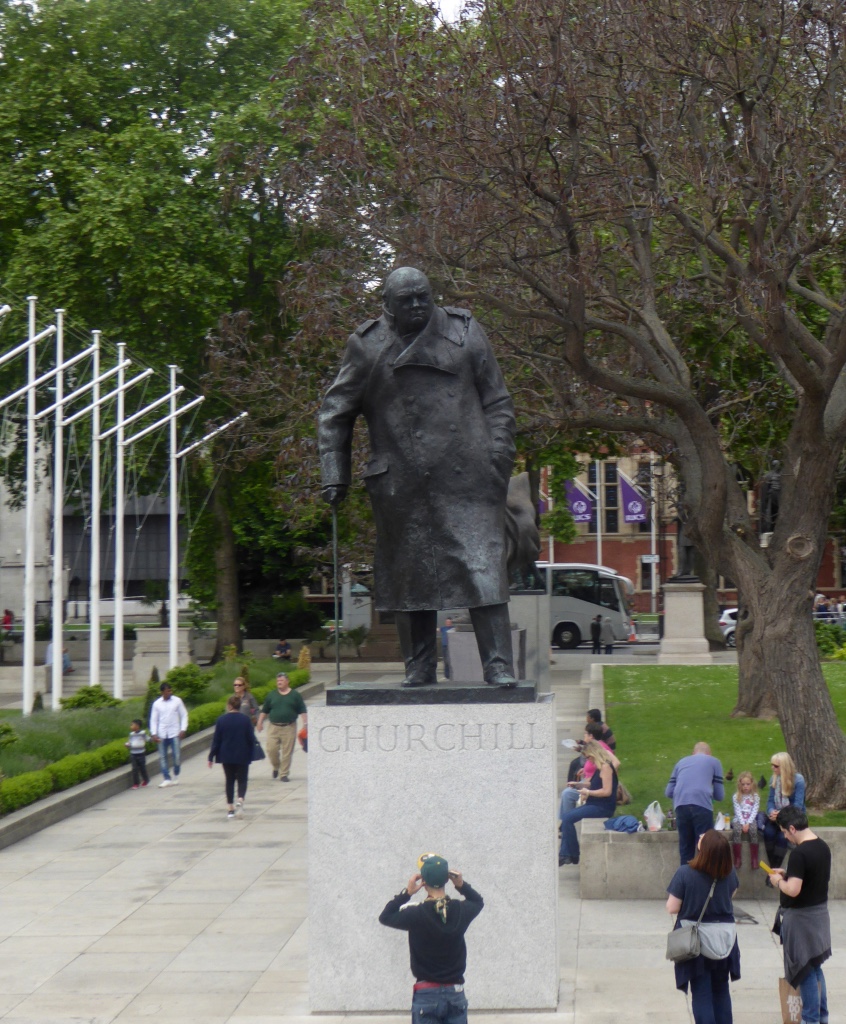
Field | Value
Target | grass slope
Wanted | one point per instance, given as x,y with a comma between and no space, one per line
659,712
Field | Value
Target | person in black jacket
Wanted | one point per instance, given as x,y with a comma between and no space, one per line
232,746
595,634
436,930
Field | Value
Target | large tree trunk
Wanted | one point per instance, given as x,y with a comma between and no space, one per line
778,660
226,564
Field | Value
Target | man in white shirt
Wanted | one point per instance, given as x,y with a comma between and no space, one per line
168,725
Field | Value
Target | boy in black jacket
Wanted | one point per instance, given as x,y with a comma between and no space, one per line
436,930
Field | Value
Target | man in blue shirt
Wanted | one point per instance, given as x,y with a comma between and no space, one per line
697,781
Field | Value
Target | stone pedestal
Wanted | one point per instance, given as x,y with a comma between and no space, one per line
531,611
475,784
464,661
684,640
152,647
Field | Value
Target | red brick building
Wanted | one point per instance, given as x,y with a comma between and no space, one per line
628,547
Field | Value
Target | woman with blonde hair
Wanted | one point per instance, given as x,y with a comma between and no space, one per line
249,705
600,802
787,789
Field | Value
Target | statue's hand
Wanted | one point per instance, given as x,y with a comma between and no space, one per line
503,465
334,495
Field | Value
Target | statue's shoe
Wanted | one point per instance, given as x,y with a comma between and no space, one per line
502,679
407,684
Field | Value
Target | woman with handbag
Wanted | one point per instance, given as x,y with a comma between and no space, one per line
702,891
232,746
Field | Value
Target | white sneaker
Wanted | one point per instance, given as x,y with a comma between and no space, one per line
175,780
239,807
165,782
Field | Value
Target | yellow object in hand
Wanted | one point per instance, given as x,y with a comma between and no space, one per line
765,867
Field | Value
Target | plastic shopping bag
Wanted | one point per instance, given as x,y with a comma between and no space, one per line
721,824
654,817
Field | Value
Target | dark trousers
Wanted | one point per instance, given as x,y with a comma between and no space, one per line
775,843
596,646
418,638
710,998
691,821
139,768
236,773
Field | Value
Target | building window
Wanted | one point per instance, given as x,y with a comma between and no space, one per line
606,487
646,570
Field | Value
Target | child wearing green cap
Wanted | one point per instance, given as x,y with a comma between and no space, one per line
436,930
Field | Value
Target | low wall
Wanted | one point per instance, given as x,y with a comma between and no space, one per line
625,866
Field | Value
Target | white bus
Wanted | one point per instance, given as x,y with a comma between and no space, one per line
578,593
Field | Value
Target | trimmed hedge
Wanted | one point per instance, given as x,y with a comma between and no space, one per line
75,768
25,789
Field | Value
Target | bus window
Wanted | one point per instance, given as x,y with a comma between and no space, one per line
581,584
530,580
608,595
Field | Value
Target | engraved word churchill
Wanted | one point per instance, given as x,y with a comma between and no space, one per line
447,737
441,428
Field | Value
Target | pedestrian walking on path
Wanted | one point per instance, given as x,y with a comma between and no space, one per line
282,709
168,727
137,744
232,746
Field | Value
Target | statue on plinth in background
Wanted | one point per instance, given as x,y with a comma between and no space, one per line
770,498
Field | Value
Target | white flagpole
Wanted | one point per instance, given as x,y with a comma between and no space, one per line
94,549
598,514
58,524
173,531
29,541
119,529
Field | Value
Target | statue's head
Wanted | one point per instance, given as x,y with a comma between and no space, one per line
407,296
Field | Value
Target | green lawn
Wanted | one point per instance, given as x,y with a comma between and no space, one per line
658,713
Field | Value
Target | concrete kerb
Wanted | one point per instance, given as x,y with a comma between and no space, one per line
58,806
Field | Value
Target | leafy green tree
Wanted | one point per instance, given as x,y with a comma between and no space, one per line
123,124
651,195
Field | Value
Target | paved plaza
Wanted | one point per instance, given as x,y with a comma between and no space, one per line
153,906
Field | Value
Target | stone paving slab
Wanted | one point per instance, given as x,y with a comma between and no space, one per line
152,905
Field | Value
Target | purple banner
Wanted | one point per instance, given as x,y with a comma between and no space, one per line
581,507
635,505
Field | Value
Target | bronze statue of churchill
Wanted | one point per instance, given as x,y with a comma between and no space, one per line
441,428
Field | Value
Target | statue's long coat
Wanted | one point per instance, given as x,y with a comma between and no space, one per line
441,427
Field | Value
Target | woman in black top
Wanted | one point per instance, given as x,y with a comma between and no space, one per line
600,802
708,975
232,746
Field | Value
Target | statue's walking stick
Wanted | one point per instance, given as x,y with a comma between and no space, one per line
335,572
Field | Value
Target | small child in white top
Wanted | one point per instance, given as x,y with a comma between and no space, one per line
744,822
137,743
